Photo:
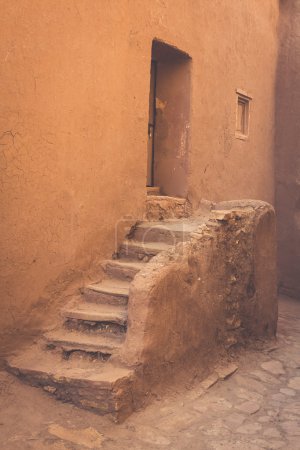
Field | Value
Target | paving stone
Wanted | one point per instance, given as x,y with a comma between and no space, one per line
272,432
277,445
249,407
265,377
279,398
288,362
274,367
87,437
286,417
216,428
273,412
292,428
250,384
293,443
293,408
269,445
235,420
151,436
177,422
247,395
220,404
232,444
250,428
288,391
264,419
294,383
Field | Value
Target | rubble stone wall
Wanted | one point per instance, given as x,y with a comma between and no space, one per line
217,291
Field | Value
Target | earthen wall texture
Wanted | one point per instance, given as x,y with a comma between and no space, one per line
287,149
74,92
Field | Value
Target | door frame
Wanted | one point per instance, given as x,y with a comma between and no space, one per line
151,125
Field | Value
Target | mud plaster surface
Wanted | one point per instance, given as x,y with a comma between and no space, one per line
73,127
287,149
258,407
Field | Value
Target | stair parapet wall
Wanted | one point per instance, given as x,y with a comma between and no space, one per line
202,297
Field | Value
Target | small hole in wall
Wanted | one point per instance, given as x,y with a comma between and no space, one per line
242,115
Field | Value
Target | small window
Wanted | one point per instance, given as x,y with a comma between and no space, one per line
242,115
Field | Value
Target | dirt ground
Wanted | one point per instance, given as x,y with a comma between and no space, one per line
257,407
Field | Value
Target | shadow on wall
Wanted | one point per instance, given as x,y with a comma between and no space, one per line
287,152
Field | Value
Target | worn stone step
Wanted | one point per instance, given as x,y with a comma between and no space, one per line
142,251
168,199
94,312
101,387
123,269
153,190
161,207
111,291
169,231
70,341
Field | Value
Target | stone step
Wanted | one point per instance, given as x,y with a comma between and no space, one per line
153,190
123,269
111,291
161,207
168,199
101,387
169,231
96,312
142,251
70,341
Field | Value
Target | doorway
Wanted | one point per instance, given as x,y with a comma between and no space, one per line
169,119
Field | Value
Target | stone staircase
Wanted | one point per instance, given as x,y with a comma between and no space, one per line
78,361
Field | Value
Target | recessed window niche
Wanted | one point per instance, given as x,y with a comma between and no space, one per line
242,114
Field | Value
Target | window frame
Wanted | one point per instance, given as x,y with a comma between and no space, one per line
243,98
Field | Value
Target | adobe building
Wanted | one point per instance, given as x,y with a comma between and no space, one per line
103,104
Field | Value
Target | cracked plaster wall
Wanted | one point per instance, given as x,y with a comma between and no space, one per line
73,127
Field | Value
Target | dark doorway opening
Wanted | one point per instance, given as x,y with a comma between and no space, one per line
151,123
169,119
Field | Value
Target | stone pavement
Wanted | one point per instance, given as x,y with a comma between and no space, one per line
256,407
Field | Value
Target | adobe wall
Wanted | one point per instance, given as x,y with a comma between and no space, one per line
288,149
73,127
